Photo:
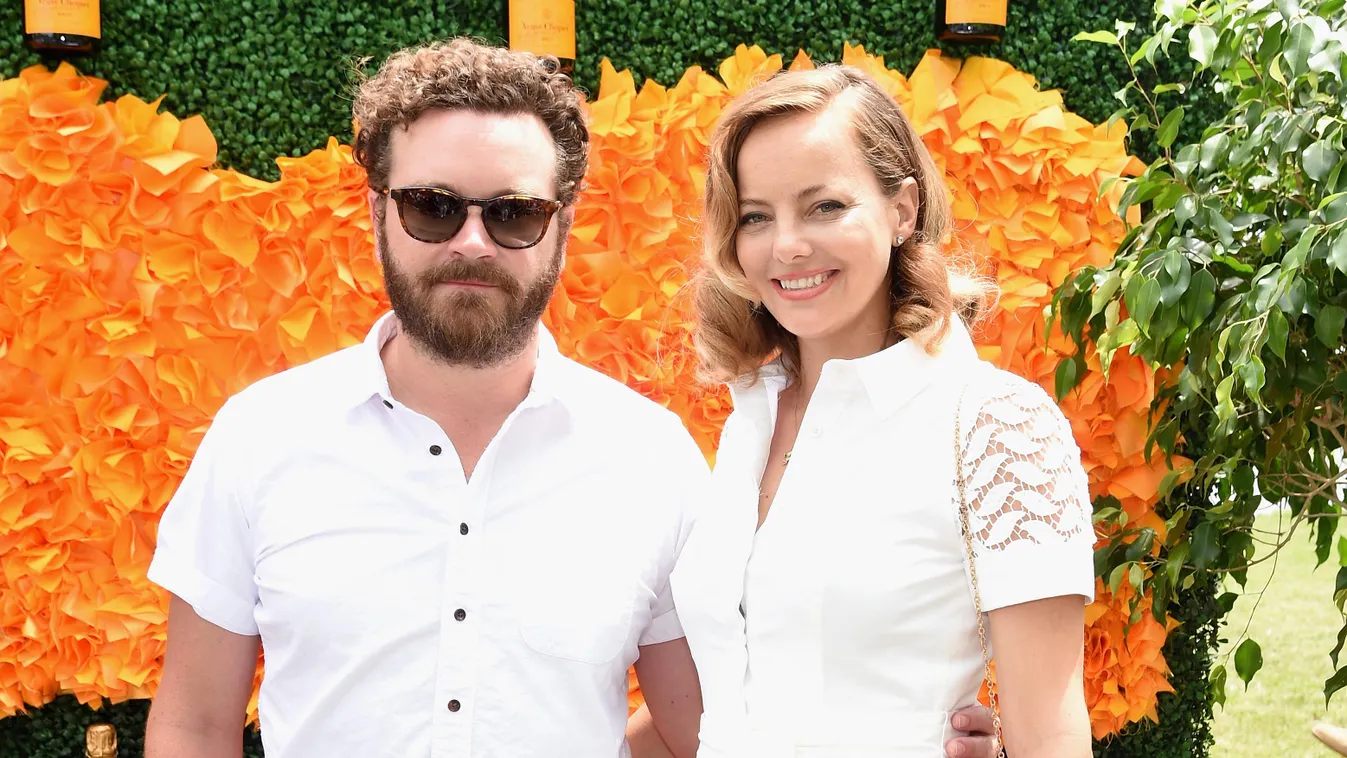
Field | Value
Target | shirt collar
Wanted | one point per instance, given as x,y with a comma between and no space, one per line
889,378
893,376
371,379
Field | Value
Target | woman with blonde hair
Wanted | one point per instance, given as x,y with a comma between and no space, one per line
887,508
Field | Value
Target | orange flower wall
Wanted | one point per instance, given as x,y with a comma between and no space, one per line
140,287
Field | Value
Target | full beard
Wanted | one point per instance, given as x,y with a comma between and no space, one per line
467,328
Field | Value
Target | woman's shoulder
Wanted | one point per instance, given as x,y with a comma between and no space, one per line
999,399
989,384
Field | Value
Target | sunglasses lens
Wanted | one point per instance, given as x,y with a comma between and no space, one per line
516,221
430,215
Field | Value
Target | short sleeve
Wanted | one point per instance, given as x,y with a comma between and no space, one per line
203,553
687,471
1029,500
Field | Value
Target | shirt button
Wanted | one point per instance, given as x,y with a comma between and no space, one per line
460,614
387,404
815,432
462,528
454,705
436,449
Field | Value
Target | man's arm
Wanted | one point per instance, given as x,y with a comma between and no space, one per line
668,724
200,707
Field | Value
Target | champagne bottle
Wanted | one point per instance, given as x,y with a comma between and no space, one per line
100,741
543,27
62,26
970,20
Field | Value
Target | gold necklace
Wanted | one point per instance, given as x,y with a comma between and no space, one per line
785,459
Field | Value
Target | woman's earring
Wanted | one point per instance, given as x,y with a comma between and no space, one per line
899,242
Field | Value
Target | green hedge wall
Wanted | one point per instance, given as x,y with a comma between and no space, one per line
57,730
271,78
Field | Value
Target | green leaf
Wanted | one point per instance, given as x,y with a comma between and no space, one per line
1115,579
1248,660
1272,240
1126,333
1340,589
1342,553
1217,684
1337,252
1225,408
1171,9
1298,48
1235,264
1342,640
1175,345
1251,372
1202,44
1200,298
1161,89
1205,545
1318,159
1123,27
1104,293
1333,684
1178,275
1224,229
1168,482
1105,37
1169,127
1186,160
1213,150
1184,210
1277,331
1147,299
1328,325
1296,258
1135,576
1174,565
1243,479
1147,48
1141,546
1275,71
1066,377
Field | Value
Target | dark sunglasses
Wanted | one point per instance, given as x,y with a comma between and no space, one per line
431,214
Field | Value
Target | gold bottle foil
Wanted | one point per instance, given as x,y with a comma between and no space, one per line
100,741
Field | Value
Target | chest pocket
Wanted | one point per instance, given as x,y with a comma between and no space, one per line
579,613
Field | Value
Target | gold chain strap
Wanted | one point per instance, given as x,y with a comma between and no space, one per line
973,573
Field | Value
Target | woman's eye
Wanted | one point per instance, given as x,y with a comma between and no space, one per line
751,218
830,206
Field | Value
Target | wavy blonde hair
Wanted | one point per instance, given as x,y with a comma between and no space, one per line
734,335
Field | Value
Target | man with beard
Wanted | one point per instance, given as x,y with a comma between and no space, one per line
449,540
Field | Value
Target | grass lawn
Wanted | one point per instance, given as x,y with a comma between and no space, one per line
1296,624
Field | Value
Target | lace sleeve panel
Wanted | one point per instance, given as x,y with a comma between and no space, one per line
1022,470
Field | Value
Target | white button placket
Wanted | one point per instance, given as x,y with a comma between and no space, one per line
456,679
460,627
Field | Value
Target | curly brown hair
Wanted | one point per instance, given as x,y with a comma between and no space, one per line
468,75
734,335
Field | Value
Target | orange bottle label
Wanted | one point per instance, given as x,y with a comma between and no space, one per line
975,12
543,27
62,17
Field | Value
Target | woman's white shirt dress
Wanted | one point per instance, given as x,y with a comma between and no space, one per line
845,626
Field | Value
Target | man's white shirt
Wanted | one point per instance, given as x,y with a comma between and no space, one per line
408,613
